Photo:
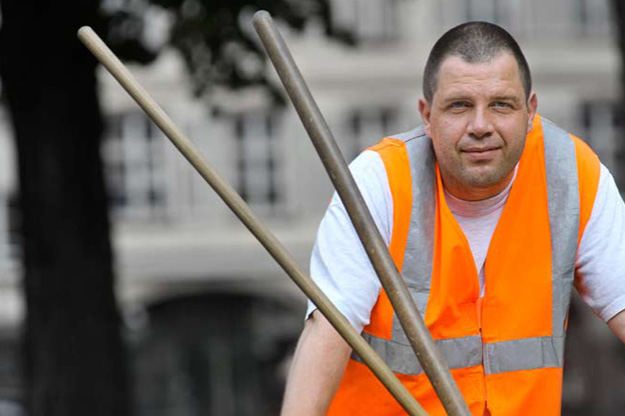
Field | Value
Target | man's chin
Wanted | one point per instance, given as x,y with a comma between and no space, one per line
484,177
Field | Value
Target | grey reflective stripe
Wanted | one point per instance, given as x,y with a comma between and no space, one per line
523,354
418,255
499,357
458,353
563,197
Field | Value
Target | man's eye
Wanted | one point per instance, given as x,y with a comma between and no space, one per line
459,105
501,104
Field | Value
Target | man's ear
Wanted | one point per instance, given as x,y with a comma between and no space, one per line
532,106
425,111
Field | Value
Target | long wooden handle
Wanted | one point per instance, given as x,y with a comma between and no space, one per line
245,214
409,317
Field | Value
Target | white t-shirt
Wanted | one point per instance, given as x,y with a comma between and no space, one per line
341,268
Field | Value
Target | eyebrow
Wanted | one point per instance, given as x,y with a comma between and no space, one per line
511,98
457,98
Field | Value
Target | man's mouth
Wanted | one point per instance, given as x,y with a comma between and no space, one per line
480,153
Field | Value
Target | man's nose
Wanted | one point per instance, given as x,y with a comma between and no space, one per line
480,125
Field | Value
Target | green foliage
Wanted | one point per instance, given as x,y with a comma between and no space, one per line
216,38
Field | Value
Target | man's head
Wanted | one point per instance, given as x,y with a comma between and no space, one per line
478,108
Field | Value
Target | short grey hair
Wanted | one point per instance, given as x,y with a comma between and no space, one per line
474,42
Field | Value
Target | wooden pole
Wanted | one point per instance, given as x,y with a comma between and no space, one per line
409,317
245,214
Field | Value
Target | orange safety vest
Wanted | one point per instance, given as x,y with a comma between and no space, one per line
505,350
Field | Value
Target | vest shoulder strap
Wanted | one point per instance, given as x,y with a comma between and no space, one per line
588,168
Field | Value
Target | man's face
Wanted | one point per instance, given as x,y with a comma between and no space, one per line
478,121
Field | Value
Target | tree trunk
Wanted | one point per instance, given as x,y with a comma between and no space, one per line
73,353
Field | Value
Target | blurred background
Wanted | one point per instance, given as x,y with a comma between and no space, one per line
128,288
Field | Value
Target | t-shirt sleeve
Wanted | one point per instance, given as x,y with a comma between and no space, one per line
339,264
600,268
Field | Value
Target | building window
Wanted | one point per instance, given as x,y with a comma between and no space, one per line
133,153
257,160
368,20
601,122
593,17
367,126
5,242
490,10
504,13
149,181
10,248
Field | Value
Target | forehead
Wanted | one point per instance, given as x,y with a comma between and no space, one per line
499,75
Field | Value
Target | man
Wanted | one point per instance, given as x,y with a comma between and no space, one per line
490,213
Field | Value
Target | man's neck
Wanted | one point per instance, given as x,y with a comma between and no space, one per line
479,207
477,194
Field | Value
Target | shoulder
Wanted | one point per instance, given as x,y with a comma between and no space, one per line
589,173
399,141
370,175
586,162
600,262
367,166
397,151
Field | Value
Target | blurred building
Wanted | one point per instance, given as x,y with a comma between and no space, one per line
174,238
